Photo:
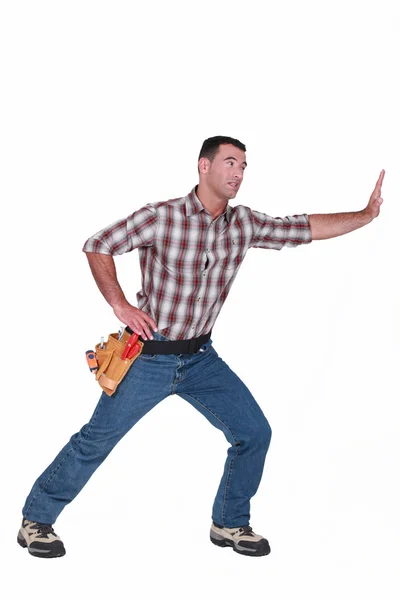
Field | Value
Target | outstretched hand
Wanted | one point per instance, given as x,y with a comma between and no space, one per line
374,205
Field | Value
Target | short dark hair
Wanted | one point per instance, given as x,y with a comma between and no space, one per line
210,146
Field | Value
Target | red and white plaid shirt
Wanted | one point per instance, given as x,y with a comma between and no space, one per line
188,260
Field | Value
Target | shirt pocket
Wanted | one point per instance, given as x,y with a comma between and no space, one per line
178,269
229,253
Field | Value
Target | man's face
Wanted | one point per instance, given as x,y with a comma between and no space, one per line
225,172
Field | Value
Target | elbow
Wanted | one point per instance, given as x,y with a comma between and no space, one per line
93,246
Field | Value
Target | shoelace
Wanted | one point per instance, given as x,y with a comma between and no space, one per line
43,529
247,530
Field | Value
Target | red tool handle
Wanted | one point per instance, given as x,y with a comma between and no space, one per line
133,351
129,344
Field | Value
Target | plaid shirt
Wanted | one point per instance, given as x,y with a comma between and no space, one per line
188,260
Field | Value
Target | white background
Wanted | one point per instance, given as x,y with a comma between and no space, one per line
104,107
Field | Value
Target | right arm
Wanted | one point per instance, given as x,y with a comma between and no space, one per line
122,236
105,275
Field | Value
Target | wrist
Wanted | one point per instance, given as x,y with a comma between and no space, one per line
119,303
367,215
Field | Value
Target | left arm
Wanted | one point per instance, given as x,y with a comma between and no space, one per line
328,226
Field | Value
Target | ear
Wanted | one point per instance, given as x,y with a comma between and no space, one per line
204,165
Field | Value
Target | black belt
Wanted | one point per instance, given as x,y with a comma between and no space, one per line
172,346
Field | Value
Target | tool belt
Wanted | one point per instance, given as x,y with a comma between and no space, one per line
111,365
110,361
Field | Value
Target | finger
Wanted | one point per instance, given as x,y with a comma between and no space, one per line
135,326
138,320
142,327
152,323
146,330
378,185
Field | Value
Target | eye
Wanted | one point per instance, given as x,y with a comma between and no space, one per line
230,162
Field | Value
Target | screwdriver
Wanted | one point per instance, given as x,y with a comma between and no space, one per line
129,346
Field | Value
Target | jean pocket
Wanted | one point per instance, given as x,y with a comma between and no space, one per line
147,356
205,347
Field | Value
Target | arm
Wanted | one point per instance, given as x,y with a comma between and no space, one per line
105,275
124,235
328,226
275,233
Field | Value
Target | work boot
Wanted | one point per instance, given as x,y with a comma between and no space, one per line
242,539
40,539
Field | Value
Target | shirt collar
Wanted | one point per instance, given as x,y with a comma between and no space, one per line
194,206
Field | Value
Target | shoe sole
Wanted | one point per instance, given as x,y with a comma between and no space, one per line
37,552
224,543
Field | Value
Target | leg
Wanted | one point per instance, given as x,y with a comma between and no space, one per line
218,393
86,450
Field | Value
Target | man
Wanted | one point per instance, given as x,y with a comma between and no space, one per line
190,251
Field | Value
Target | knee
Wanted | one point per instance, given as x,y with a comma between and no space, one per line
89,444
80,443
259,435
264,433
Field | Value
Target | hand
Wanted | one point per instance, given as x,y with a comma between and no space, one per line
374,205
137,320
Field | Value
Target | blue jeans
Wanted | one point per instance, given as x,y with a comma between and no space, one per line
208,384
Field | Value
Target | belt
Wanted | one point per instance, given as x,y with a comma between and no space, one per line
172,346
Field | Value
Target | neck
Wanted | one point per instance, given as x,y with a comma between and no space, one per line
211,202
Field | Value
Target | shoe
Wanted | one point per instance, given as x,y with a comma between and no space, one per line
241,539
40,539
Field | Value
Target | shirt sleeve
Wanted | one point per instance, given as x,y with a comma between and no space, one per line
139,229
274,233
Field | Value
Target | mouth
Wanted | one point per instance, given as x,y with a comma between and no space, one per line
234,184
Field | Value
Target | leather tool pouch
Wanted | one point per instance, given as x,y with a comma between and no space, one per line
112,368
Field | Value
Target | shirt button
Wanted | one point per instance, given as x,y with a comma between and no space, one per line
204,273
198,299
192,327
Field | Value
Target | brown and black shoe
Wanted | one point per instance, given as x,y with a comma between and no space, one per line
242,539
40,539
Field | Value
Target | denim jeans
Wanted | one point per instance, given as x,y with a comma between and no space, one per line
207,383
